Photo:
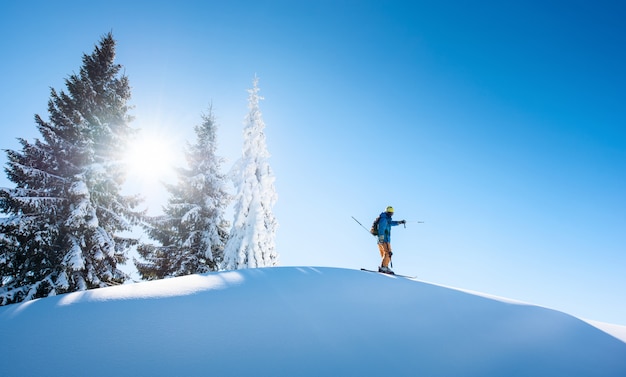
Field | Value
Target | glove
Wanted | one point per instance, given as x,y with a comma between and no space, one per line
381,239
402,222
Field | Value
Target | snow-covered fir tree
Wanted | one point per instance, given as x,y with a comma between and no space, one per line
61,226
192,232
252,236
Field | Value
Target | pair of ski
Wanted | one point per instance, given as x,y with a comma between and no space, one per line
387,273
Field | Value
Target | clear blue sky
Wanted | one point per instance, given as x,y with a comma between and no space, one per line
501,125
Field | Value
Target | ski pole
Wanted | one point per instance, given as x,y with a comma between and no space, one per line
360,224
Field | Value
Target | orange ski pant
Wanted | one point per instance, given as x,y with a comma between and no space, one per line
385,253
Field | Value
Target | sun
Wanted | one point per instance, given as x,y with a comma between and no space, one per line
150,158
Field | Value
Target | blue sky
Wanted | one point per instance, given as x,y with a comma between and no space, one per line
501,125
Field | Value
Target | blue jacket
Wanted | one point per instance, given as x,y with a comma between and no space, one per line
384,226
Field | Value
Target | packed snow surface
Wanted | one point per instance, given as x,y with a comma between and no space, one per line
292,321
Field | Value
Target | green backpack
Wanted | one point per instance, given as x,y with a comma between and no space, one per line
374,229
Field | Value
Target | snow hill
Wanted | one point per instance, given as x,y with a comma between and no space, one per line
292,321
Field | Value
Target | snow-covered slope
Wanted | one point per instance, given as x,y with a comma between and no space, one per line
297,322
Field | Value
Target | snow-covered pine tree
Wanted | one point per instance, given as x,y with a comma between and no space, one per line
192,231
252,236
62,223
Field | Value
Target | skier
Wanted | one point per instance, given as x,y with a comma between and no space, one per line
384,238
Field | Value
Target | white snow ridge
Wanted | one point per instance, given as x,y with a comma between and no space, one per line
292,321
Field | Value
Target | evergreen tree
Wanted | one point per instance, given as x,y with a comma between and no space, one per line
61,224
252,237
192,232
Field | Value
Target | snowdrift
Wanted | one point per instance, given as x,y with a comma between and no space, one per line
293,321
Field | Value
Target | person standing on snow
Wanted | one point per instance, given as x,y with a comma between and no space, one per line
384,238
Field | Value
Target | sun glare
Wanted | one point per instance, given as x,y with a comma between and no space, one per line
150,158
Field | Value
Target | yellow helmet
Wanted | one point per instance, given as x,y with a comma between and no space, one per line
389,209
